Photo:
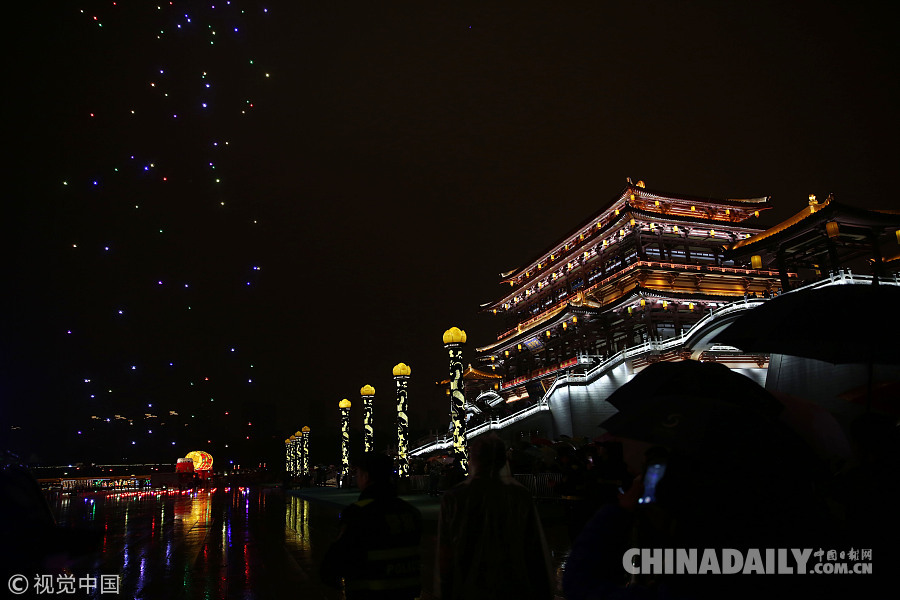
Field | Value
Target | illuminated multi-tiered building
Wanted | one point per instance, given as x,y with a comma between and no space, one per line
644,269
654,276
647,266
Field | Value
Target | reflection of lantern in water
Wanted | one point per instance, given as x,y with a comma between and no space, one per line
203,461
297,520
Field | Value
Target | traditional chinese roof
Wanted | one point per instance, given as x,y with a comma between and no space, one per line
568,311
563,313
661,204
579,296
471,374
636,202
813,216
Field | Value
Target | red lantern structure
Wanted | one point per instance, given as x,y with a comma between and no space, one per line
203,461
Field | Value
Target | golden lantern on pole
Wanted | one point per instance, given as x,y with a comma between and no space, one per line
288,448
296,452
833,230
454,338
756,261
344,405
304,451
368,394
401,373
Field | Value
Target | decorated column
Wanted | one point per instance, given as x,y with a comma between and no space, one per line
304,451
401,376
454,338
287,455
368,395
297,450
345,438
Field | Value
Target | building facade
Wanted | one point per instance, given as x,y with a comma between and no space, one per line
652,276
646,267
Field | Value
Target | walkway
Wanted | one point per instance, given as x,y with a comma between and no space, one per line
552,518
247,544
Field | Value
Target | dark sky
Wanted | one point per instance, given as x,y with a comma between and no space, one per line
394,161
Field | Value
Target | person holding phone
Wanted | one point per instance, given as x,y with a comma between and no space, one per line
712,468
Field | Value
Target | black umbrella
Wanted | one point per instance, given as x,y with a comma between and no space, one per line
735,473
838,324
685,404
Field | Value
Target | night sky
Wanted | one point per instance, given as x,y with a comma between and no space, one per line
308,193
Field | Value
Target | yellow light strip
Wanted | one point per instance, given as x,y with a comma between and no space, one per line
800,216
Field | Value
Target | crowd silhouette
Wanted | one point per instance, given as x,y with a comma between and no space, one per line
739,471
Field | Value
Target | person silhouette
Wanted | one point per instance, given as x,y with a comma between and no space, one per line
377,554
490,540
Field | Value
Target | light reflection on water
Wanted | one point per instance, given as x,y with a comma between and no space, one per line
309,530
297,521
142,577
146,538
204,545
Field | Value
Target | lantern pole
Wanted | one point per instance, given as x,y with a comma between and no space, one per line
454,338
298,451
367,392
345,439
304,451
287,455
401,376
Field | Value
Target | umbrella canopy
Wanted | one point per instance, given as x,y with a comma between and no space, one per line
685,404
815,426
735,473
883,396
837,324
539,441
